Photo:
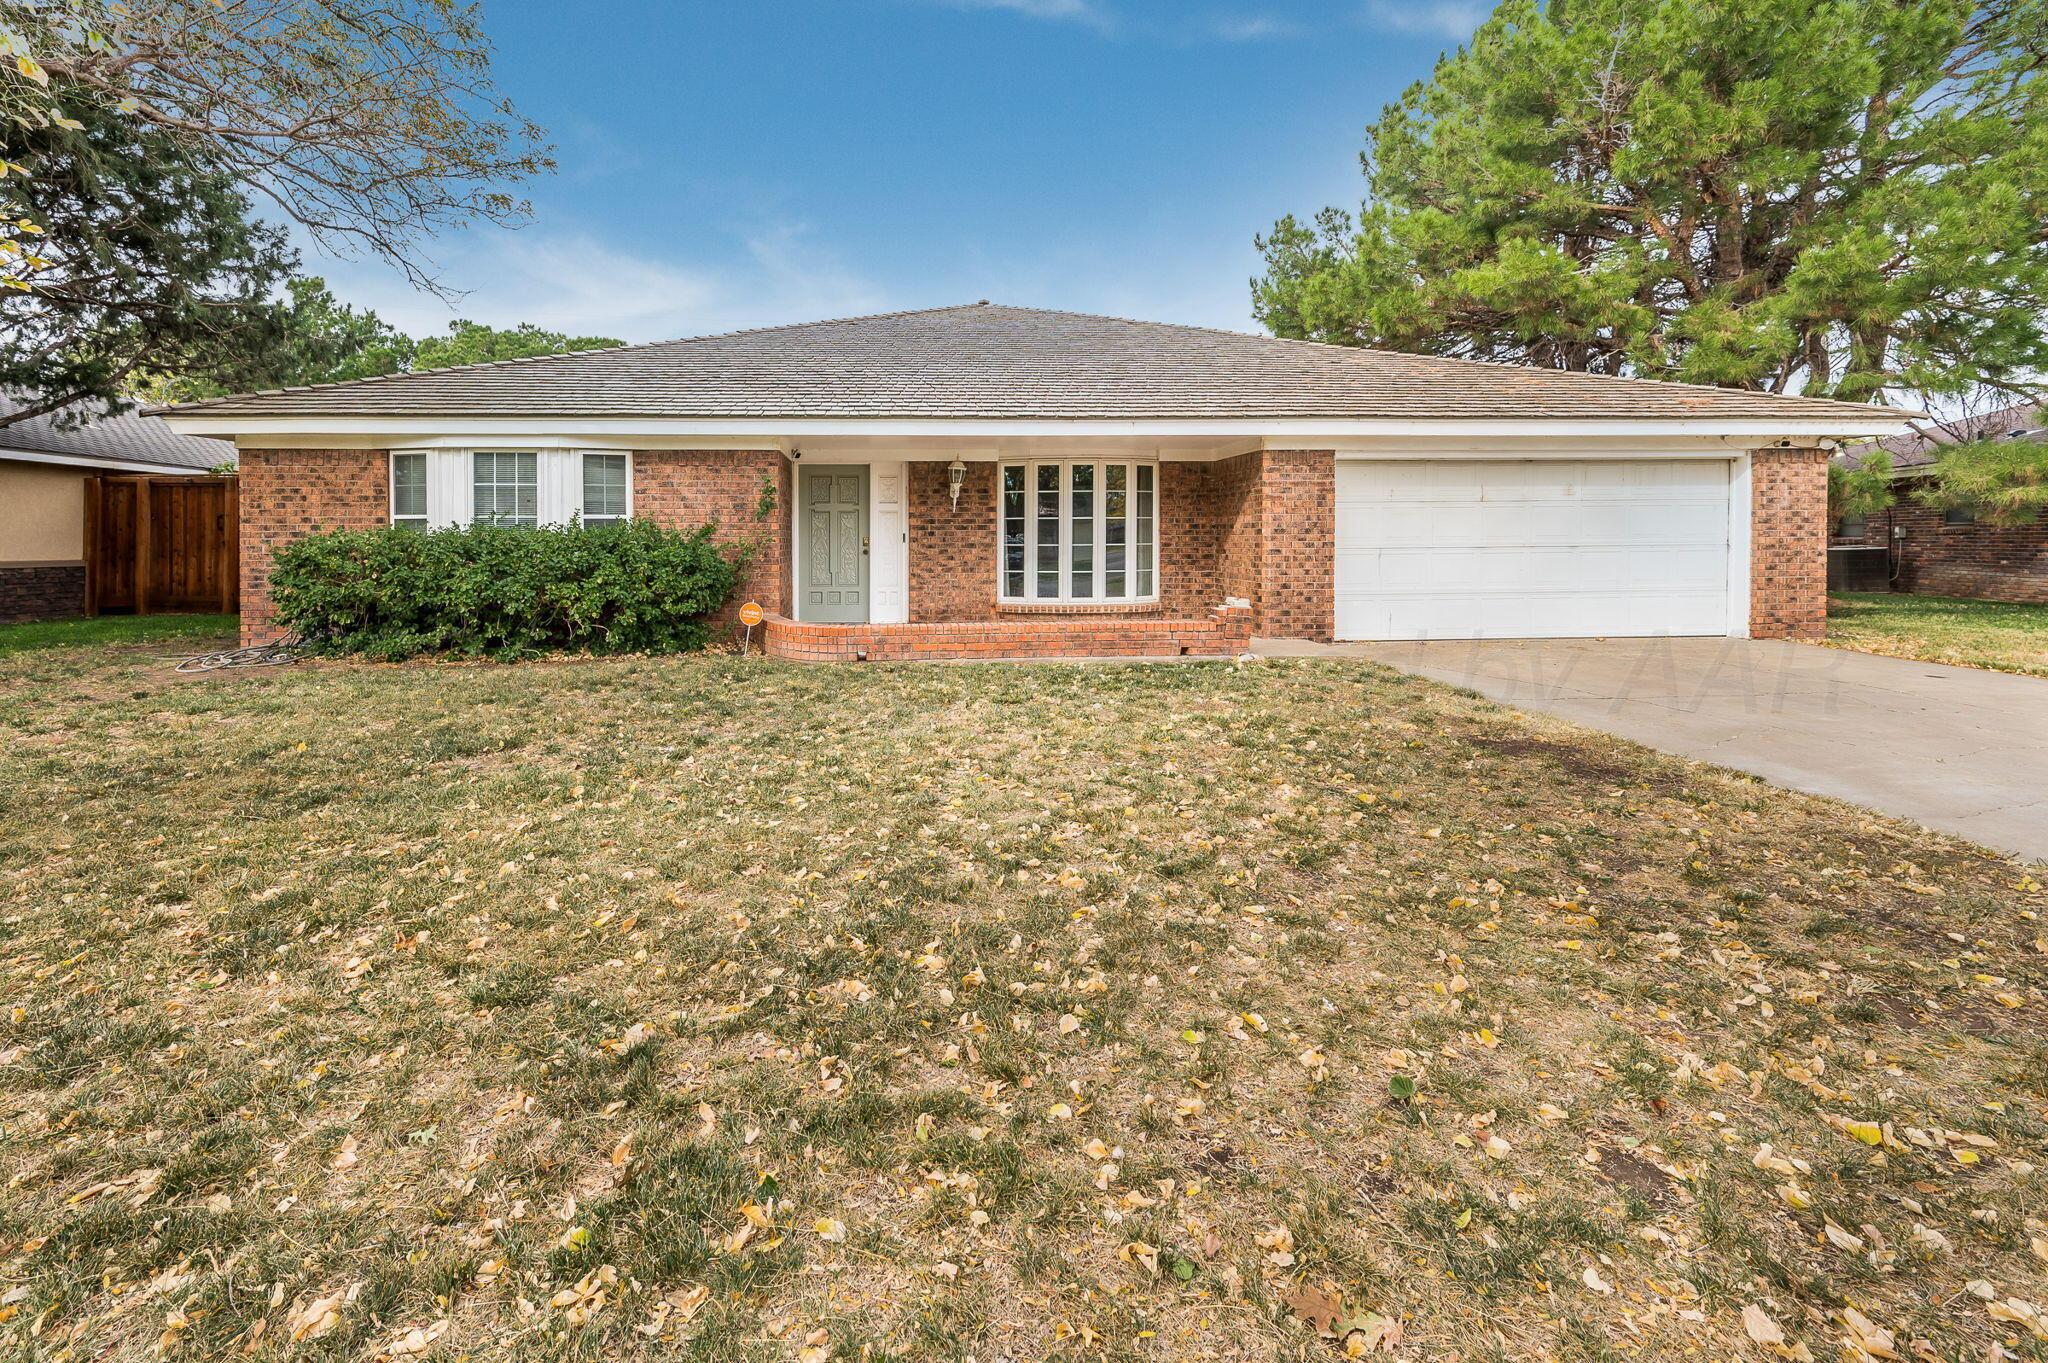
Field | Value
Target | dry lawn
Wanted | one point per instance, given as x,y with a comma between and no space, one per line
1996,635
699,1009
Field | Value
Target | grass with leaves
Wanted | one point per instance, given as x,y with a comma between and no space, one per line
709,1009
1997,635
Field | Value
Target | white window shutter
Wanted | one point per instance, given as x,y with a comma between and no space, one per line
450,491
559,485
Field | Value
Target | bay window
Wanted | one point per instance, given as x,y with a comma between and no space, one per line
1079,530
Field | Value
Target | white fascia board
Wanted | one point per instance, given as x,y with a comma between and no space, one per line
86,461
367,431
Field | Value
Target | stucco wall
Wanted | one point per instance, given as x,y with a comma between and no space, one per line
42,513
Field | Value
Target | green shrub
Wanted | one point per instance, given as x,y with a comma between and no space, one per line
504,591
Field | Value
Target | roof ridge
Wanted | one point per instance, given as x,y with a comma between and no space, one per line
401,375
1340,349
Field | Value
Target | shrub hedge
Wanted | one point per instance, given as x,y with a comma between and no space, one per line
504,591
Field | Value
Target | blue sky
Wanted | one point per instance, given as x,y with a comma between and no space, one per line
729,163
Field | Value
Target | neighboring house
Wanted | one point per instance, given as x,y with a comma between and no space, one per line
43,473
1952,553
1000,481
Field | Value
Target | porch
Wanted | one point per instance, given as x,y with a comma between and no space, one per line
1042,553
1224,633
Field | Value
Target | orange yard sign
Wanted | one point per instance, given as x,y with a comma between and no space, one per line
750,614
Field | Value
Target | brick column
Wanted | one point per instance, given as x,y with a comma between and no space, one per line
1788,544
1297,551
289,494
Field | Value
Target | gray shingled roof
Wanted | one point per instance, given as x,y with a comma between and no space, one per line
993,362
130,438
1917,448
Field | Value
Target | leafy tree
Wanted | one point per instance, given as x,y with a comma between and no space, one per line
1862,491
315,338
329,341
1833,197
372,124
141,256
474,343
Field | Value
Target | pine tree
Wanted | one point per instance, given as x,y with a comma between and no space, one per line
1836,197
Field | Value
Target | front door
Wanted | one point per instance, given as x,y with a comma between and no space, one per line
833,575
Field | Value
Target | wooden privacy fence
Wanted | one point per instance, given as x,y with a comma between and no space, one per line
162,544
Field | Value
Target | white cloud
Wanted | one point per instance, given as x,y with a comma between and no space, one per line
1440,18
1109,20
587,150
574,281
1251,28
1062,11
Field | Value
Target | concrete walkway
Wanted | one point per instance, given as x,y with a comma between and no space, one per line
1952,748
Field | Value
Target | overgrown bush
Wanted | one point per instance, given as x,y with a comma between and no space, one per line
504,591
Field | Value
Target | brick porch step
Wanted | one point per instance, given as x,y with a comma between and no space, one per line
1225,632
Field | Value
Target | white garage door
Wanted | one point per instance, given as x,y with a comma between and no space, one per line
1532,549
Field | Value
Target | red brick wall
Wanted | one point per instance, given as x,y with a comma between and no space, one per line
1190,531
688,488
953,554
1234,492
289,494
1217,633
1977,560
1788,574
1298,550
1261,526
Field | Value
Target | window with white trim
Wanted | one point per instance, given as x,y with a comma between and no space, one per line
409,490
1079,530
604,489
507,489
510,487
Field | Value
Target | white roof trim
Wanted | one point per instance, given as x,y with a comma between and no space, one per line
1305,433
86,461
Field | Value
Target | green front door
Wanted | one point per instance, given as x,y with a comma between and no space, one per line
833,575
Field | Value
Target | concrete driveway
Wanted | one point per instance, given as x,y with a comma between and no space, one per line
1953,748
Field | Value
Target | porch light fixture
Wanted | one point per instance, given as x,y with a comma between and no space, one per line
956,478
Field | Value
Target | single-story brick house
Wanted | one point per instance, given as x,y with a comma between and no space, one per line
999,481
1951,552
45,462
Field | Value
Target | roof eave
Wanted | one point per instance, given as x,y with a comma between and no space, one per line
107,464
246,427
